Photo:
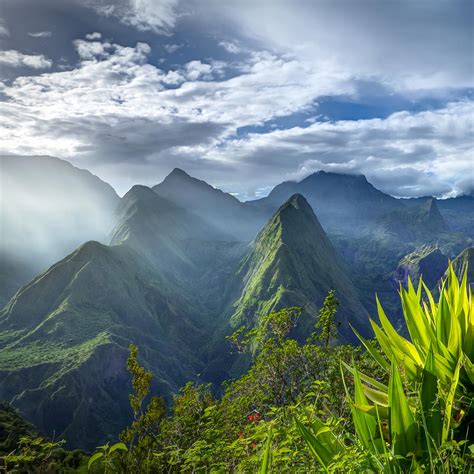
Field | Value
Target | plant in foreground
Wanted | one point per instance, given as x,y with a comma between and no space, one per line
422,421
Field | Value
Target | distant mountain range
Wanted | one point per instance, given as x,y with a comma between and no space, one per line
177,267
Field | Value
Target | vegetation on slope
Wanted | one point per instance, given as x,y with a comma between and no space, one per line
400,405
293,263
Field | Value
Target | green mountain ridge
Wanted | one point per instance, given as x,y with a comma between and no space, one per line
67,334
293,263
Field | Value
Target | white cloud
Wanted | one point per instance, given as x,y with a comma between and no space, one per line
172,48
94,36
117,112
41,34
92,49
406,154
406,44
230,47
4,28
196,70
158,16
16,59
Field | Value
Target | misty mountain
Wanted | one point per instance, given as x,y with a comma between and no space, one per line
223,211
159,229
159,285
342,202
184,265
47,208
423,221
162,286
458,212
293,263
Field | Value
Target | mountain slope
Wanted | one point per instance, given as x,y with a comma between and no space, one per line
221,210
160,229
342,202
65,338
292,263
458,212
427,262
423,222
66,334
47,208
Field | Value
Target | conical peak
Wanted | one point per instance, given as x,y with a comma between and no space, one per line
295,219
178,173
298,201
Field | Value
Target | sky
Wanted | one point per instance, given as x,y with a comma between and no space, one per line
244,94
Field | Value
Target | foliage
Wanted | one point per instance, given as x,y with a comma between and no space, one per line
391,405
326,324
420,421
105,455
40,455
251,427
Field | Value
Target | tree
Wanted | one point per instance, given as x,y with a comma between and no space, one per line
326,324
141,436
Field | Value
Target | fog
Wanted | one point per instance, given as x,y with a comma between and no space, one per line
48,208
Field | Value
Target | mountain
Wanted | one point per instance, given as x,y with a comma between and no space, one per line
178,268
223,211
422,222
47,208
66,334
342,202
160,229
158,285
458,212
427,262
293,263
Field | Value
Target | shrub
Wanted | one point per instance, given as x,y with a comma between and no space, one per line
422,420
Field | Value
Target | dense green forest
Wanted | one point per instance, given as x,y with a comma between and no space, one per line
392,404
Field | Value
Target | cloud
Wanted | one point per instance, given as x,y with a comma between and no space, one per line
129,121
230,47
41,34
93,36
405,44
4,31
144,15
89,50
172,48
14,58
196,70
406,154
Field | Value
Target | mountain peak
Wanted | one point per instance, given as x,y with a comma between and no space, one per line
293,263
322,176
433,215
140,192
222,210
298,201
178,172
